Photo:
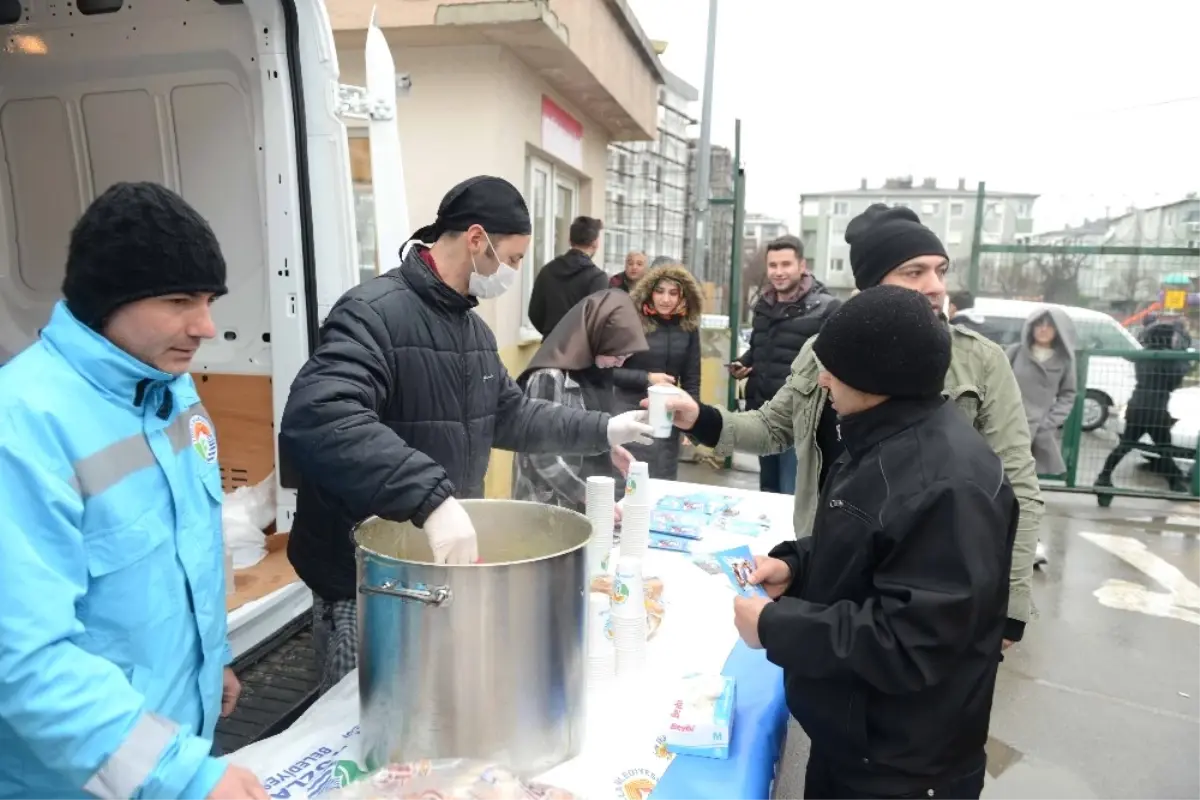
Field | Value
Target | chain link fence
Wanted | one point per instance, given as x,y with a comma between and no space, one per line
1148,444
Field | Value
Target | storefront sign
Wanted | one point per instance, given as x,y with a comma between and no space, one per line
562,134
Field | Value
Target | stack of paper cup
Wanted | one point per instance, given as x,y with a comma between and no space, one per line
600,513
600,652
628,617
635,511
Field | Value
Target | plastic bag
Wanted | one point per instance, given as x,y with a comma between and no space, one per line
248,510
446,779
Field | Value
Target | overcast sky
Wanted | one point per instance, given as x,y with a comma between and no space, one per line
1091,106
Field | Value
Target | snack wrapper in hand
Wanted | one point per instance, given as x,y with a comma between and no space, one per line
447,779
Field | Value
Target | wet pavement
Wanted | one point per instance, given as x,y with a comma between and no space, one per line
1102,698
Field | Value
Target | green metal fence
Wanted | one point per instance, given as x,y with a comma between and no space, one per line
1126,266
1148,444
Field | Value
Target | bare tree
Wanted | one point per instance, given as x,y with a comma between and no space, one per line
1132,287
1015,278
754,276
1059,276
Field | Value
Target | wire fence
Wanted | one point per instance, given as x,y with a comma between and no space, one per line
1127,283
1143,439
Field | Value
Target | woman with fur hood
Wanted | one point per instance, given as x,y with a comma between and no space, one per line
668,301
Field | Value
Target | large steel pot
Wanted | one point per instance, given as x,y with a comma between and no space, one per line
480,660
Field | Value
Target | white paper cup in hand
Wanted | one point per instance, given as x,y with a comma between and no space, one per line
661,418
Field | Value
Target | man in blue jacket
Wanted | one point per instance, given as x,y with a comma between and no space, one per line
113,648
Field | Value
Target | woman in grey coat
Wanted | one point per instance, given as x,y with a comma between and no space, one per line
1044,363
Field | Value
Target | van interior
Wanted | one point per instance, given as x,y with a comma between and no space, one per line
185,93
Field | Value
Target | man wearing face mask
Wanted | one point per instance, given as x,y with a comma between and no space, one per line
397,411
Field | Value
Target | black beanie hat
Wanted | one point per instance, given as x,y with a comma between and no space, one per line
135,241
886,340
882,238
492,203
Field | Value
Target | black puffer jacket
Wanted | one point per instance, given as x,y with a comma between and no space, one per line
674,349
398,409
779,331
561,284
890,632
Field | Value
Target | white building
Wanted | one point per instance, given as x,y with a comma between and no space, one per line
646,192
949,212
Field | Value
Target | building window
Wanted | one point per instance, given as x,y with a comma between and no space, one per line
553,198
931,208
837,265
841,208
956,209
954,237
900,204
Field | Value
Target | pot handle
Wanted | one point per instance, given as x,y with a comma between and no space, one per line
436,596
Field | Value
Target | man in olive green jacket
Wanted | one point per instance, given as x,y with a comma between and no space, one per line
890,245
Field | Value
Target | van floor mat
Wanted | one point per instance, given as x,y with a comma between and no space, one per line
279,682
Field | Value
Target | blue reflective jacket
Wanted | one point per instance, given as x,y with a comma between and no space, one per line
112,586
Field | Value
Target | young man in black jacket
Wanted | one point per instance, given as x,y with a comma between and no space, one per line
888,620
566,280
789,312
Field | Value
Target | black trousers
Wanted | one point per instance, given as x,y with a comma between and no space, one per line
822,782
1155,422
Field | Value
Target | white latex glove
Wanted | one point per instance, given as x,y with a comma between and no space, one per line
630,427
452,534
621,459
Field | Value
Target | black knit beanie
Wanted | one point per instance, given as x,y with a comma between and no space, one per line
886,340
138,240
882,238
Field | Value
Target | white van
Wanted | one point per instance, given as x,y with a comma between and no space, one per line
236,105
1110,380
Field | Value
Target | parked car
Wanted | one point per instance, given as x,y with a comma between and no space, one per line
1110,379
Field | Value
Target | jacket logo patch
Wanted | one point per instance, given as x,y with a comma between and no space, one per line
204,441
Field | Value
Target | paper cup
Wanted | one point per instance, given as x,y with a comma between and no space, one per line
637,486
628,592
661,418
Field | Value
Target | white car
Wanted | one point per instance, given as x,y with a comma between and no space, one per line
1110,380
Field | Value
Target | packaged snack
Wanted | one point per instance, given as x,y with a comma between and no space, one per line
652,588
701,717
664,541
738,565
446,779
689,525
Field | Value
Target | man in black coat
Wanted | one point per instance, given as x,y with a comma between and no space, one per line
397,411
888,620
566,280
792,309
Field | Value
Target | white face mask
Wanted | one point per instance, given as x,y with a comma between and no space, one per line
485,287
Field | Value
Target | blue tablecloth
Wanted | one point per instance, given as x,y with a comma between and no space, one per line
759,727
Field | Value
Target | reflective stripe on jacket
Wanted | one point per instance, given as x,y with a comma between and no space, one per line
112,601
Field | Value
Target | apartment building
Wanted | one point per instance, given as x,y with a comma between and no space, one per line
948,211
720,236
646,193
759,230
1125,282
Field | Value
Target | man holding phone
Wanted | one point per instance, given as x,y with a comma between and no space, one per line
792,309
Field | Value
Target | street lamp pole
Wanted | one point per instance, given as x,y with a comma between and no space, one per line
698,234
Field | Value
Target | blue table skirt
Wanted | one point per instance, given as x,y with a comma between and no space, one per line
759,727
